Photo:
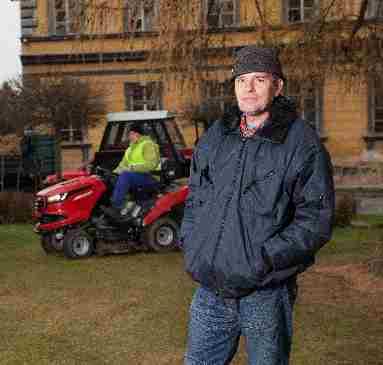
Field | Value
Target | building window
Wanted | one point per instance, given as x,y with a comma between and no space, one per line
217,97
143,95
140,16
309,102
375,9
63,17
376,106
298,11
222,13
72,135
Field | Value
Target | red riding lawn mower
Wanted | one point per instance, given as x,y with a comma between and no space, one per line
71,216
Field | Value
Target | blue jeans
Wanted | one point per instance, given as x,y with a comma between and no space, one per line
130,180
264,318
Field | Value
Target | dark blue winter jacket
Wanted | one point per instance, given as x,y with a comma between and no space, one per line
258,208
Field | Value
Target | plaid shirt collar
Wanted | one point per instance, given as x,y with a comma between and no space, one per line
247,132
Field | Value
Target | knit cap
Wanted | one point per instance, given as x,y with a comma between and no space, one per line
257,59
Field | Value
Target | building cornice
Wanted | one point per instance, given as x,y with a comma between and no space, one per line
83,58
102,57
127,36
121,72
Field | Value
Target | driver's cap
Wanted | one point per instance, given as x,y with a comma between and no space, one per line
136,127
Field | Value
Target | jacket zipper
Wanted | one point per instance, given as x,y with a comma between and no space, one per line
244,140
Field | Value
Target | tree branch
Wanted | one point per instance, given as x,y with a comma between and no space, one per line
360,21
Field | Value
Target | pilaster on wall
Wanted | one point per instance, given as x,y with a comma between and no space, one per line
345,119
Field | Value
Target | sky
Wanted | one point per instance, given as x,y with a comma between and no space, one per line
10,65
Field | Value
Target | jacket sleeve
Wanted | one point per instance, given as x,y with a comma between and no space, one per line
151,156
123,165
311,226
193,185
198,163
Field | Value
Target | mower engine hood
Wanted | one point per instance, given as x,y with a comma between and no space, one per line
68,186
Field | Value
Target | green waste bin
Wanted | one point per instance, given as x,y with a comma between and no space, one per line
38,155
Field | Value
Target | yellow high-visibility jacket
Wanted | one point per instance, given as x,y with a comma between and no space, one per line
142,156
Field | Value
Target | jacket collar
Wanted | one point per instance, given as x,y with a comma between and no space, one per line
282,115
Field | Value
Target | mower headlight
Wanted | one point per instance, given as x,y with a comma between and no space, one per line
57,198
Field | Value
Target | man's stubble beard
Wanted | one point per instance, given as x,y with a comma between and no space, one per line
258,112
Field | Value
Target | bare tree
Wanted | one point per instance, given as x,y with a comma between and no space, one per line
7,96
53,102
185,38
185,30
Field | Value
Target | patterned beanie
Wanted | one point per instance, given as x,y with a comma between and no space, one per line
255,59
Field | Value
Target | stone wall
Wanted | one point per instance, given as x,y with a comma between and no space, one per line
359,175
367,199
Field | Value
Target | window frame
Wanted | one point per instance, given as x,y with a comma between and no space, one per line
144,25
222,99
235,13
67,24
374,10
156,100
303,96
372,92
286,10
72,131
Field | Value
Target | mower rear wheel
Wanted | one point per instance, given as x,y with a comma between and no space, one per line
50,244
162,235
78,244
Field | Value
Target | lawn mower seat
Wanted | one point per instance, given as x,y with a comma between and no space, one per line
165,175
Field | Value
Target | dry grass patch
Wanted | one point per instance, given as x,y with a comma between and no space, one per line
134,309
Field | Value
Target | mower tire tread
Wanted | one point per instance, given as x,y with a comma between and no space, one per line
78,244
162,235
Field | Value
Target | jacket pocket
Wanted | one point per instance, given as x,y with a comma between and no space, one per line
260,178
206,187
259,196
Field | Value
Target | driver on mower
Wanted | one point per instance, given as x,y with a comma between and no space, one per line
140,159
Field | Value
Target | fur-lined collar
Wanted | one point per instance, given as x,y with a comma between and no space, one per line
282,115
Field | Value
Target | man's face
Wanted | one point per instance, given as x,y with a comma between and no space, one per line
255,91
133,136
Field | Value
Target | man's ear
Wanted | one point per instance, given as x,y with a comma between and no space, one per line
278,87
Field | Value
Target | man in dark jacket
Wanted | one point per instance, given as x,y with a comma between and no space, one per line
260,206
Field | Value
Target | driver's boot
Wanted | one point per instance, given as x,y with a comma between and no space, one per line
112,212
129,207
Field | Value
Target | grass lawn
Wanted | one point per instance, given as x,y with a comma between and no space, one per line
133,309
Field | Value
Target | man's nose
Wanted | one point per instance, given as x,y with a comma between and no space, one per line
249,85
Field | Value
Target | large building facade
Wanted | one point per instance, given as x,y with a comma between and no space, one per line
349,122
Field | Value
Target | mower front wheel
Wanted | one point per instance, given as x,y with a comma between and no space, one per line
50,244
78,244
162,234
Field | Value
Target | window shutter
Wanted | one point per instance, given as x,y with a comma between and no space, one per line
158,94
237,13
371,105
156,14
284,11
51,17
28,17
316,10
